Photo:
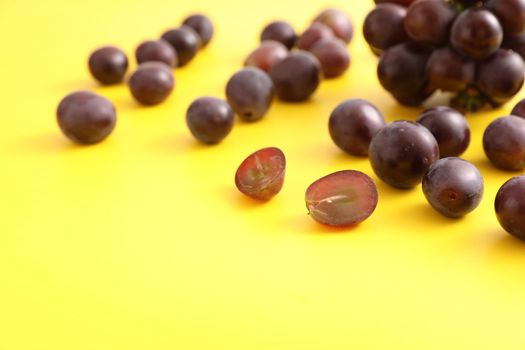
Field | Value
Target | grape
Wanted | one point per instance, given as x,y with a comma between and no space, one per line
315,33
453,186
401,71
511,15
516,43
353,124
333,56
261,174
209,119
338,22
296,77
449,71
519,109
476,33
342,198
504,142
449,127
405,3
428,21
85,117
383,27
250,93
280,31
510,206
401,153
266,55
501,75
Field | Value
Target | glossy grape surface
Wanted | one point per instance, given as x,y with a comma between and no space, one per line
453,186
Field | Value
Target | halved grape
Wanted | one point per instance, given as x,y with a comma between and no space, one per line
261,174
342,198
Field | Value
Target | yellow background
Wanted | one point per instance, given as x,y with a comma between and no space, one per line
143,242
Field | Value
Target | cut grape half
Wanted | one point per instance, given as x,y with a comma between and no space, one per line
261,175
342,198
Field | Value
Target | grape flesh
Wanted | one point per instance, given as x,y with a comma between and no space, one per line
342,198
261,175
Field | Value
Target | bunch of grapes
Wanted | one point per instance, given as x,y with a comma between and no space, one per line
472,49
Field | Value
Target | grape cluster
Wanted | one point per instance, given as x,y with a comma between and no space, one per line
472,49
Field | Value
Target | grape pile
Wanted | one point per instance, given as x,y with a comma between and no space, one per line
472,49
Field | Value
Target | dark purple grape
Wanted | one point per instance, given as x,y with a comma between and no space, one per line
401,153
338,22
476,33
266,55
501,75
261,175
516,43
250,92
151,83
342,198
510,206
467,3
108,65
296,77
401,71
428,22
450,129
280,31
333,56
209,119
449,71
405,3
511,15
315,33
353,124
384,28
85,117
185,42
453,186
202,25
504,142
156,50
519,109
413,98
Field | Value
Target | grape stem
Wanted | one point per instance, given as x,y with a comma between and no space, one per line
471,100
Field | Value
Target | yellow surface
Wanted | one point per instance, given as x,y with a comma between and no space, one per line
143,242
